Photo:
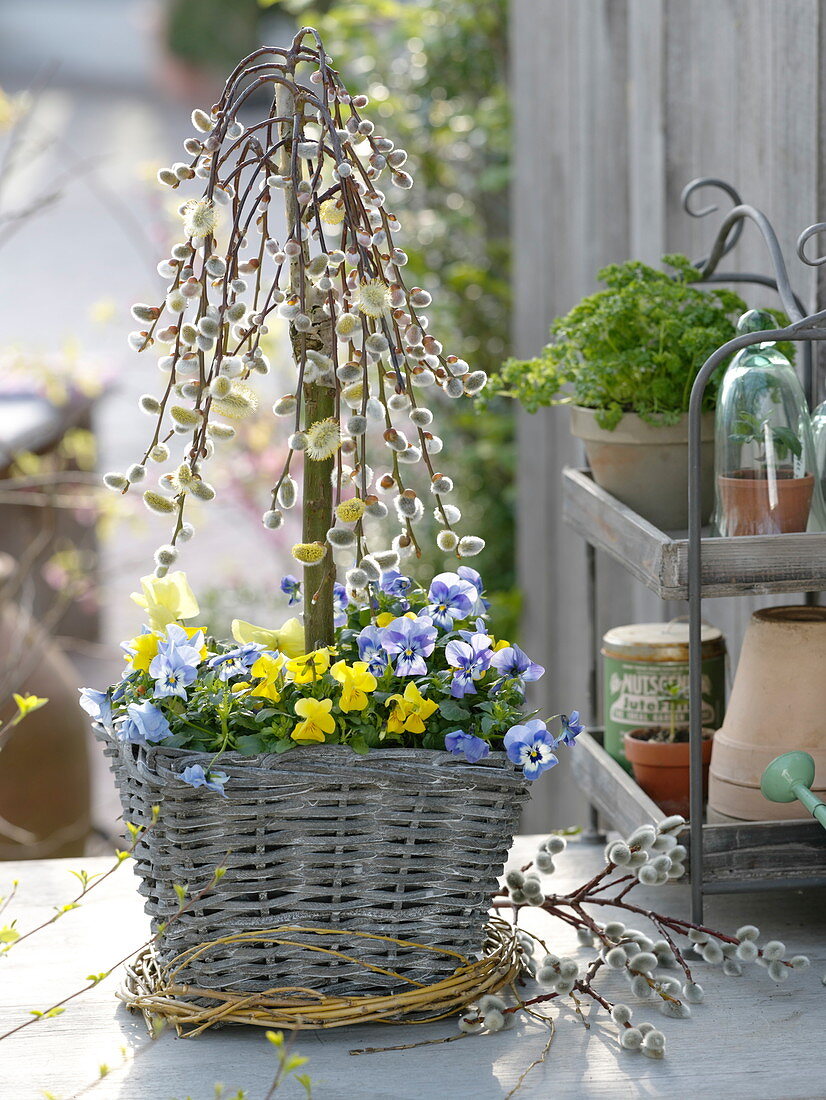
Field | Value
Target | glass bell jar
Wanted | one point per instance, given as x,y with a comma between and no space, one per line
819,436
766,476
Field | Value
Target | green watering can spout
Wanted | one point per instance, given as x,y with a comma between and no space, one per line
790,777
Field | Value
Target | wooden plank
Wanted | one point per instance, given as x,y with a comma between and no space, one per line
610,788
770,1053
754,563
742,852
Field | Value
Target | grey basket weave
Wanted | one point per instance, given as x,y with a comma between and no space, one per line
405,843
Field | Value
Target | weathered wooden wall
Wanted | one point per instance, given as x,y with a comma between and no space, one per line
618,104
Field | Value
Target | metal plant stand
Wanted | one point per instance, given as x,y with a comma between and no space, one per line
723,857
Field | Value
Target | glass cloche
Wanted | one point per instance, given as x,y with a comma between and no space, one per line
765,470
819,436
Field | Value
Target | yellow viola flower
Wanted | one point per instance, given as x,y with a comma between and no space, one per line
306,669
241,688
141,650
287,639
385,618
356,681
166,599
317,719
267,669
501,644
410,711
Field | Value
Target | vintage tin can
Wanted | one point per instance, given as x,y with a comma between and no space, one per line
639,661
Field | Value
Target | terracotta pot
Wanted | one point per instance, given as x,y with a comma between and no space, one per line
44,768
747,506
662,768
646,466
777,703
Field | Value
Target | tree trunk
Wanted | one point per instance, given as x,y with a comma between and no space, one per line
319,404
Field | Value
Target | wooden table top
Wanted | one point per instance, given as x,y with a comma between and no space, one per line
750,1040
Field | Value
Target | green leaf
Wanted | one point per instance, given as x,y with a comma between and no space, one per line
250,744
453,712
359,745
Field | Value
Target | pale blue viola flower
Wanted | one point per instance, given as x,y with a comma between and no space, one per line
571,728
372,651
468,574
395,584
341,601
195,776
450,598
514,664
175,666
144,723
236,662
471,659
97,705
461,743
291,587
409,641
531,747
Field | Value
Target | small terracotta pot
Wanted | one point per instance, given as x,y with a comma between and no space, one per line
662,768
747,507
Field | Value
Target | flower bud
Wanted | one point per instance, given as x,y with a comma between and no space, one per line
287,493
202,490
272,519
157,503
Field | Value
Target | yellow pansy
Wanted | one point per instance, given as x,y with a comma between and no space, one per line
141,649
241,688
356,681
287,639
303,670
317,719
385,618
410,711
166,599
501,644
267,669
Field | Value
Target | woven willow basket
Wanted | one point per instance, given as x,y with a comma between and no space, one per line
404,843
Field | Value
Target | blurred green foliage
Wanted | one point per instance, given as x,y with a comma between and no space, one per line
436,75
212,34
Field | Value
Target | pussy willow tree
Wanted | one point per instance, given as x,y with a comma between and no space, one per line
359,336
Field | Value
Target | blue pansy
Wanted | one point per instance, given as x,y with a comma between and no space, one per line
450,598
144,723
195,776
372,651
236,662
97,704
470,575
461,743
410,641
531,747
395,584
514,664
291,587
471,659
571,728
175,665
341,602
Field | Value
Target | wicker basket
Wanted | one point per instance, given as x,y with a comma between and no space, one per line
404,843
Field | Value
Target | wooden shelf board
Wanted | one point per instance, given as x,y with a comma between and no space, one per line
738,852
730,566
